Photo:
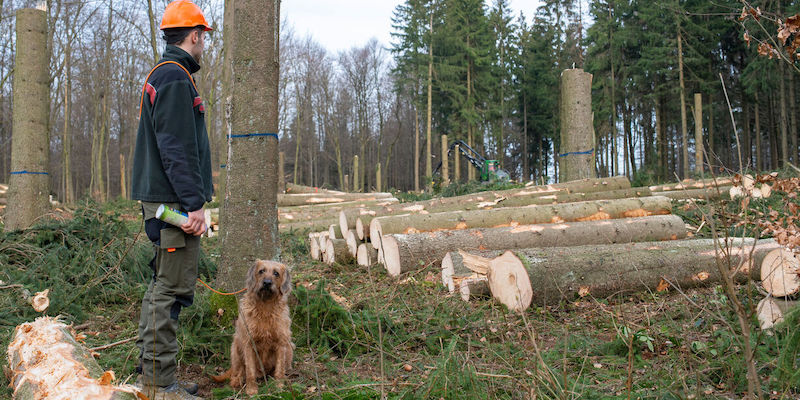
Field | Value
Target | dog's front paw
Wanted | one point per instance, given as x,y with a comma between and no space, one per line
251,389
236,382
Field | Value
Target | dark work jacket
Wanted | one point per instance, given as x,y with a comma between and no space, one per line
172,160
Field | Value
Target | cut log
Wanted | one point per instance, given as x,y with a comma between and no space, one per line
325,211
779,273
314,245
45,360
770,311
3,187
474,288
407,252
287,200
291,188
688,184
337,252
362,229
539,214
547,276
710,193
352,242
588,185
457,265
366,255
562,197
334,232
314,226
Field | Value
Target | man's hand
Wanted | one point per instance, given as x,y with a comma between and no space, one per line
196,224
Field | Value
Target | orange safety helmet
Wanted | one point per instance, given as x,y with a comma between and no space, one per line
183,14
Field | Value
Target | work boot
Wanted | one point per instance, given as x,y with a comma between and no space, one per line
190,387
171,392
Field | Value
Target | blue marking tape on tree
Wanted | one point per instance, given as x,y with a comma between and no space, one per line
247,135
28,173
575,153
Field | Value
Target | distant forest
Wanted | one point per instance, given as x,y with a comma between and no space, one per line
494,77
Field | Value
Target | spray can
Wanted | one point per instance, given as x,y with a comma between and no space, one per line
171,216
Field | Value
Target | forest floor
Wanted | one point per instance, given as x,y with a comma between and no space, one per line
361,334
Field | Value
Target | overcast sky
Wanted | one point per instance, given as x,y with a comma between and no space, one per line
342,24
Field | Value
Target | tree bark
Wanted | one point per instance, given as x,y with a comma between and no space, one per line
404,253
29,184
566,273
539,214
445,167
577,134
251,211
43,358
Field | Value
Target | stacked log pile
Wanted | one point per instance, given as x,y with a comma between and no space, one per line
544,244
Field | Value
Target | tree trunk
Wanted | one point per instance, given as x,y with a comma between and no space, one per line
759,155
404,253
784,134
539,214
792,119
416,150
577,134
281,173
445,167
29,184
44,359
251,211
428,161
546,276
684,127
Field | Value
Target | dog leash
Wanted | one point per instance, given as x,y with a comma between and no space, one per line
218,292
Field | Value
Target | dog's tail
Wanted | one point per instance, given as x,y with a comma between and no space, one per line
222,378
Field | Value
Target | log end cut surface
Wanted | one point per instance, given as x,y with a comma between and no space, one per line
509,282
391,256
779,273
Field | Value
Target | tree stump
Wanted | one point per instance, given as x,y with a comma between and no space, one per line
576,158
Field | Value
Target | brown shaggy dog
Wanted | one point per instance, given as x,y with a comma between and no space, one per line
263,329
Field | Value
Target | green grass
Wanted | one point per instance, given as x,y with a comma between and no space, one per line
361,334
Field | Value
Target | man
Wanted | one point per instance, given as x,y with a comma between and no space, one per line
172,166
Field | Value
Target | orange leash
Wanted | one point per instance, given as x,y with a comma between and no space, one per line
218,292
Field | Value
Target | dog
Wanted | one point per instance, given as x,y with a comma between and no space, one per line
263,328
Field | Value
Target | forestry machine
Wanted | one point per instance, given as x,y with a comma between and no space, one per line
490,169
